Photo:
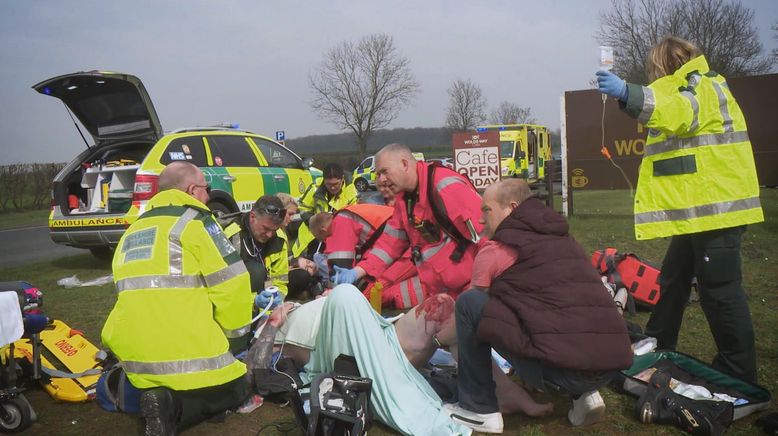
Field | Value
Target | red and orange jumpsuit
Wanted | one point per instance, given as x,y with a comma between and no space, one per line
351,228
420,232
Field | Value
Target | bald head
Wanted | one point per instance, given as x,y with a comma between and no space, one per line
178,175
185,177
499,200
320,225
396,168
509,191
396,150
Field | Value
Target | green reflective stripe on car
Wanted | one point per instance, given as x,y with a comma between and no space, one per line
215,178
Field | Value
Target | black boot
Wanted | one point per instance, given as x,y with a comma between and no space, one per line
159,412
660,405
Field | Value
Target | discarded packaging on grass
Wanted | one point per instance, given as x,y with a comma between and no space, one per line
74,282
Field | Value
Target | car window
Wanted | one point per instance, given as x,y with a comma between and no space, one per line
188,149
277,156
231,151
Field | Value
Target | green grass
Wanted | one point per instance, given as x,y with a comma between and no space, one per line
602,219
23,218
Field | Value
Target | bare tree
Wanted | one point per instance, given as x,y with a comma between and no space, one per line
466,106
362,86
510,113
775,37
724,31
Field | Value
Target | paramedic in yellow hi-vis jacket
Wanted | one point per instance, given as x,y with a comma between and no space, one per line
262,244
183,298
697,184
331,195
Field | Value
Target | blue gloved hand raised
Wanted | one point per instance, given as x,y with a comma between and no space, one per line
345,275
611,84
265,297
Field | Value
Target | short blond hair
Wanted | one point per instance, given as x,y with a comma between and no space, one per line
508,190
287,200
668,55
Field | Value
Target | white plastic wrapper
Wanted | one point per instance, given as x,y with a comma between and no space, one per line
74,282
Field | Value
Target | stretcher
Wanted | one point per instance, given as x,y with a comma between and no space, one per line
68,366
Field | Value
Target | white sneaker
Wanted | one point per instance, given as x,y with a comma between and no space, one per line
587,409
252,403
483,422
621,300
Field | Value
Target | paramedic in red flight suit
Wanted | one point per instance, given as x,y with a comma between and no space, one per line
444,262
349,233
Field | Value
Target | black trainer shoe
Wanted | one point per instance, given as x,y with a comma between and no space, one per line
660,405
158,411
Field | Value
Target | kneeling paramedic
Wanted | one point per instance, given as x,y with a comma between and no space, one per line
183,299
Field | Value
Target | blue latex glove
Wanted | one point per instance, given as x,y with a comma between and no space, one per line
345,275
612,85
263,298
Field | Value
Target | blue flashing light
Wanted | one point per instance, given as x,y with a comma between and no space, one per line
503,128
480,129
235,126
47,90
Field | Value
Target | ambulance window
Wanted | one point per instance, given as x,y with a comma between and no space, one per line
232,151
189,149
277,156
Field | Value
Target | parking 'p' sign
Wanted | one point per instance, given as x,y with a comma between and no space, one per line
280,136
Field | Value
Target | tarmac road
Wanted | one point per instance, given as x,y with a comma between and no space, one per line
31,244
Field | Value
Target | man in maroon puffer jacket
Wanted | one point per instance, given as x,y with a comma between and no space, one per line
548,313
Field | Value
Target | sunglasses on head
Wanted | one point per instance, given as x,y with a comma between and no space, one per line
274,210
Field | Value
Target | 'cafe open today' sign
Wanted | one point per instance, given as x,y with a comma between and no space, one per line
477,156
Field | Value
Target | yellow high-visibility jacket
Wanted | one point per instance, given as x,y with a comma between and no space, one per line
271,262
182,292
698,170
316,199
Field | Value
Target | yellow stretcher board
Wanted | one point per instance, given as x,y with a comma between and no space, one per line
76,355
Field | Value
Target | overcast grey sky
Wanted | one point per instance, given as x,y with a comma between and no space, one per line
205,62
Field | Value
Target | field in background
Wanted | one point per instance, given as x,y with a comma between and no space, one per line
602,219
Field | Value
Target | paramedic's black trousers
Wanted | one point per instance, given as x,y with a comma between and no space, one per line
198,405
714,258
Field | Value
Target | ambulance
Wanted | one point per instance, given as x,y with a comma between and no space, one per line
106,187
524,150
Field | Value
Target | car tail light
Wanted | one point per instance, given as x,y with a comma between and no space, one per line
145,187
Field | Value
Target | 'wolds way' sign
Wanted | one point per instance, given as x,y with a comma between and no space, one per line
477,156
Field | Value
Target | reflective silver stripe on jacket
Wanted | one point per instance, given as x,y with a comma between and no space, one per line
427,253
397,233
404,294
336,255
225,273
695,110
280,278
159,282
448,181
414,283
648,105
697,211
174,241
383,255
179,366
366,227
696,141
417,288
723,108
236,333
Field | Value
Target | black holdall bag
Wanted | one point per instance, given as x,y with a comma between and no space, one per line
340,401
